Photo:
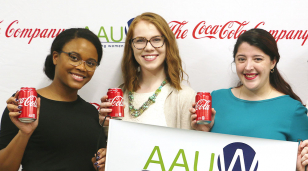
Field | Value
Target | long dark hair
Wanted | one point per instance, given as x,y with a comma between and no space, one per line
63,38
266,42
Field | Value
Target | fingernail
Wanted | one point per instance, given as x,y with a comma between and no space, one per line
19,107
95,163
19,111
97,157
97,166
16,100
98,153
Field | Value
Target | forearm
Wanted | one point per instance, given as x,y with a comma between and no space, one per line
11,156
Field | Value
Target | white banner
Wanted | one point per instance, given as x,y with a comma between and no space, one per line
137,147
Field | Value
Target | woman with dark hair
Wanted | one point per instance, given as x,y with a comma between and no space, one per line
65,134
262,99
152,72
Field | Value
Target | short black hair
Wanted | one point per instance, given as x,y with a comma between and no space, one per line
63,38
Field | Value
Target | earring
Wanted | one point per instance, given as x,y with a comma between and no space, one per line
272,70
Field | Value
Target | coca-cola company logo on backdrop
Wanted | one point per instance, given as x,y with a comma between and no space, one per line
115,36
231,30
13,31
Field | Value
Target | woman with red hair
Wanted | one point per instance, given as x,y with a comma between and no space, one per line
152,72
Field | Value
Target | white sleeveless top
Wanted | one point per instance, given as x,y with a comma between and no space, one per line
154,114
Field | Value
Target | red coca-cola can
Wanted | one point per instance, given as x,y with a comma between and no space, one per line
203,108
115,96
27,99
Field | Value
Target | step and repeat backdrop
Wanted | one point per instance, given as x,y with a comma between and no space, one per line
206,32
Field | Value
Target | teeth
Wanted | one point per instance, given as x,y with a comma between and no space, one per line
149,57
250,76
77,76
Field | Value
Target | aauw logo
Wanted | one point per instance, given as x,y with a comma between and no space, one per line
237,157
128,24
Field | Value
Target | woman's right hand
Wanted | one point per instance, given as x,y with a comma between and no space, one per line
99,159
200,127
12,105
104,110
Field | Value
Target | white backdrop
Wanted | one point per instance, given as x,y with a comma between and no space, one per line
206,60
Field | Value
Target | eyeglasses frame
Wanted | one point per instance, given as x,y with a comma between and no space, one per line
132,41
82,61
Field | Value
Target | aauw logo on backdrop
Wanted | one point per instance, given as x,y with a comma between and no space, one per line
237,157
128,24
113,37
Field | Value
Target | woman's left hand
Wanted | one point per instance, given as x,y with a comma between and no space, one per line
302,156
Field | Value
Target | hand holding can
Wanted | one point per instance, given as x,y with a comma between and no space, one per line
15,111
203,108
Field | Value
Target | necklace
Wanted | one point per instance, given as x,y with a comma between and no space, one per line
263,99
137,112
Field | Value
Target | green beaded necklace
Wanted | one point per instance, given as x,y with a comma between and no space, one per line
137,112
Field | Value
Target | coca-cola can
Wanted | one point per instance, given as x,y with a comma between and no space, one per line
115,97
203,108
27,99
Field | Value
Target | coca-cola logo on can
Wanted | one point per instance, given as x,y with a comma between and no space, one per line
29,101
203,104
117,101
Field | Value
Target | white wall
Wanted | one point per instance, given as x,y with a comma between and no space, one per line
207,61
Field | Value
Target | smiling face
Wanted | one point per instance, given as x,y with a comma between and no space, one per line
253,67
150,58
67,75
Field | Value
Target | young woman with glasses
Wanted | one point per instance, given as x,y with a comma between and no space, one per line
263,105
65,134
153,74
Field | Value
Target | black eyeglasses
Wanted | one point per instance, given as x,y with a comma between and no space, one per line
141,42
76,60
